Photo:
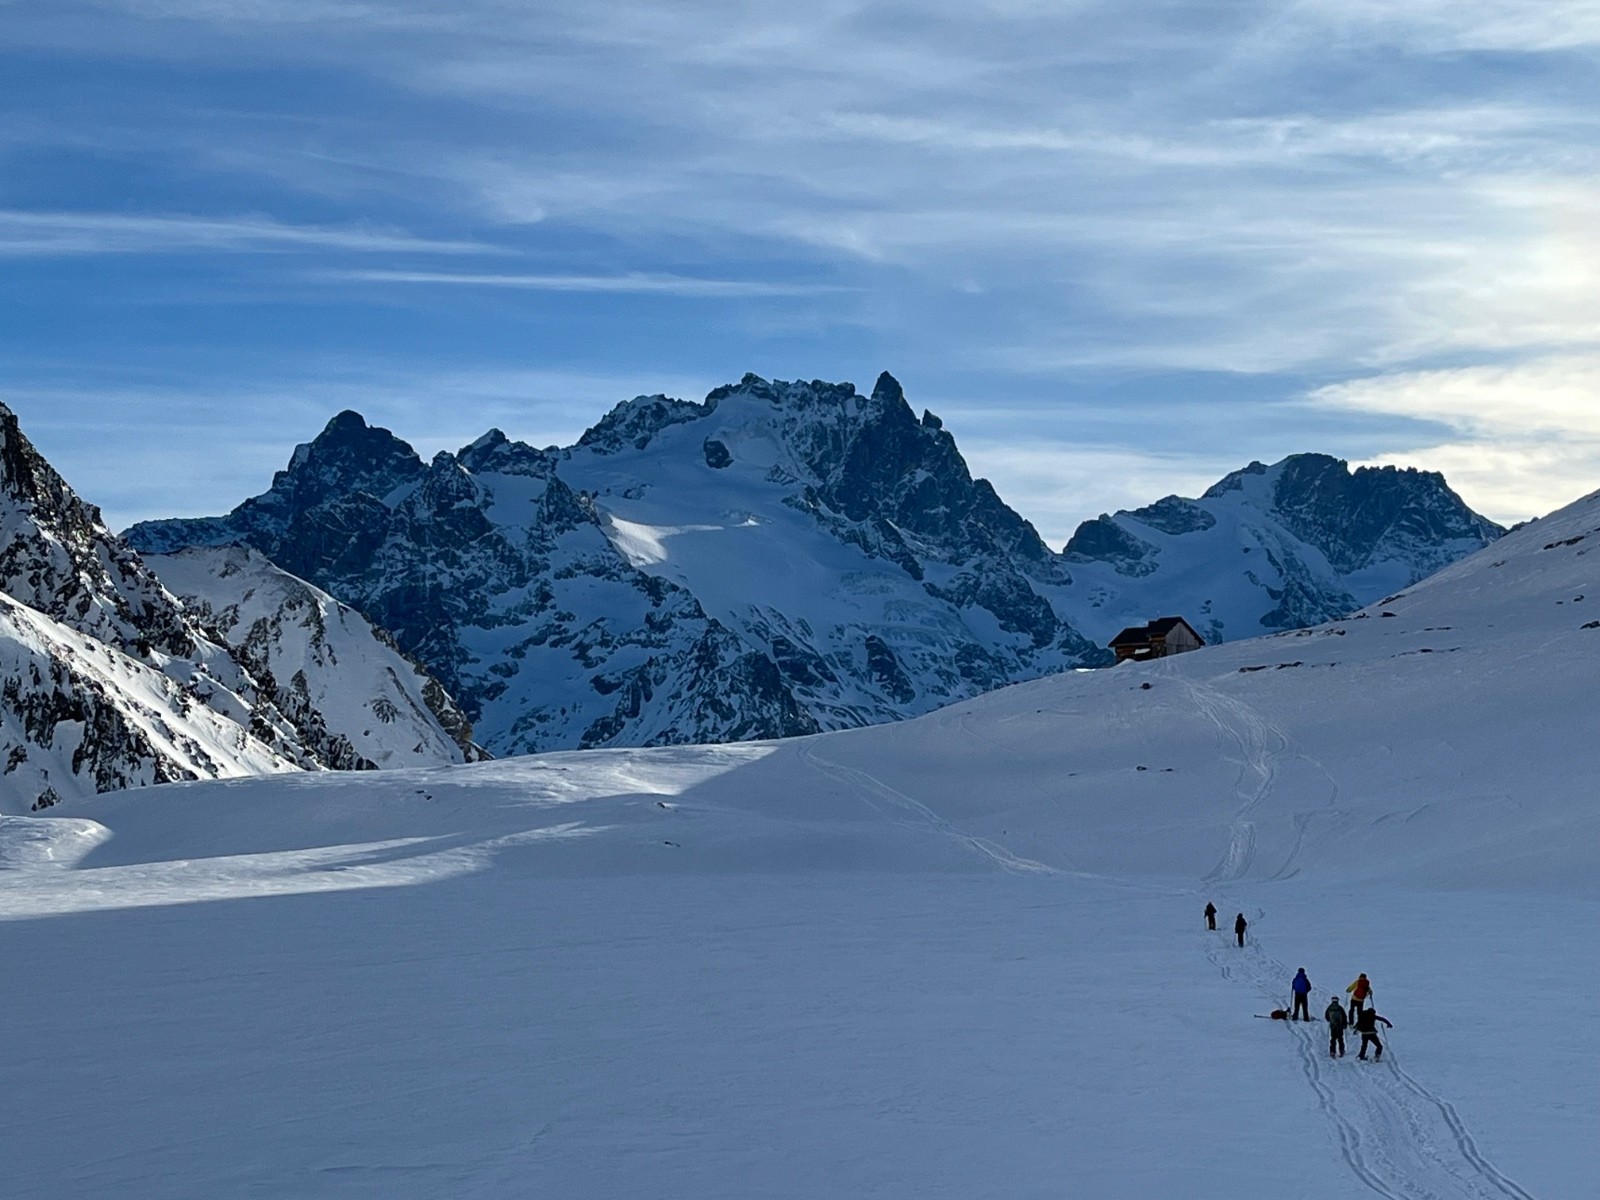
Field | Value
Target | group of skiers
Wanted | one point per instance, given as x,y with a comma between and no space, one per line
1360,1012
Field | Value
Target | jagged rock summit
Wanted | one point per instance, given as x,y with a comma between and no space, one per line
107,679
1266,548
779,559
787,557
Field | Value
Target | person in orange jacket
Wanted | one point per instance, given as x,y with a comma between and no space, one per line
1360,993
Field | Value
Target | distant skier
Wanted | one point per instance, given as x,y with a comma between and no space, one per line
1360,992
1301,987
1239,926
1336,1027
1367,1026
1211,915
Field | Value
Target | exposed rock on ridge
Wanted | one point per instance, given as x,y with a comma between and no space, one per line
98,657
333,673
1296,543
790,556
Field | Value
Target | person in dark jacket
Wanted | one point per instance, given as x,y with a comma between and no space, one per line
1367,1026
1301,987
1211,915
1239,926
1336,1027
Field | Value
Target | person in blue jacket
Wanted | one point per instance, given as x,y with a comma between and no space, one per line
1302,992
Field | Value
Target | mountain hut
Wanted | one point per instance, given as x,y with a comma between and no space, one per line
1161,637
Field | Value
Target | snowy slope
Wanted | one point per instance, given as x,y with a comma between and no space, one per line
63,570
957,956
788,557
331,667
77,715
58,559
1308,541
838,535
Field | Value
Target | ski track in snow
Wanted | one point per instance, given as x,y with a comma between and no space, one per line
916,814
1259,745
1398,1137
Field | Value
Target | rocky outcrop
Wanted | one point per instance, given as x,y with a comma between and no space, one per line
104,659
789,556
78,717
357,700
1296,543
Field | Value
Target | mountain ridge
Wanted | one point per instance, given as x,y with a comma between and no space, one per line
109,680
833,544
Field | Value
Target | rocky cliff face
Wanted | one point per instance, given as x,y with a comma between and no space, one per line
108,680
356,698
782,558
785,557
57,557
1299,542
79,717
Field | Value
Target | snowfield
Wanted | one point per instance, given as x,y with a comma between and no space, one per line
960,956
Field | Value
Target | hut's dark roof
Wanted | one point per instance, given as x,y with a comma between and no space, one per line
1135,635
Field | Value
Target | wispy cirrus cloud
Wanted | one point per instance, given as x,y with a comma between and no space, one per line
628,284
44,234
1505,25
1024,196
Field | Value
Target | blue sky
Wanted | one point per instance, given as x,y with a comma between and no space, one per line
1121,248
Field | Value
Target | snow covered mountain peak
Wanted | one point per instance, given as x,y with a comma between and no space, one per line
108,679
348,456
1360,517
779,558
58,557
786,556
1313,540
497,454
635,422
850,459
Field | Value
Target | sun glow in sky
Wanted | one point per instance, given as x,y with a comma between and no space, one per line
1121,249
